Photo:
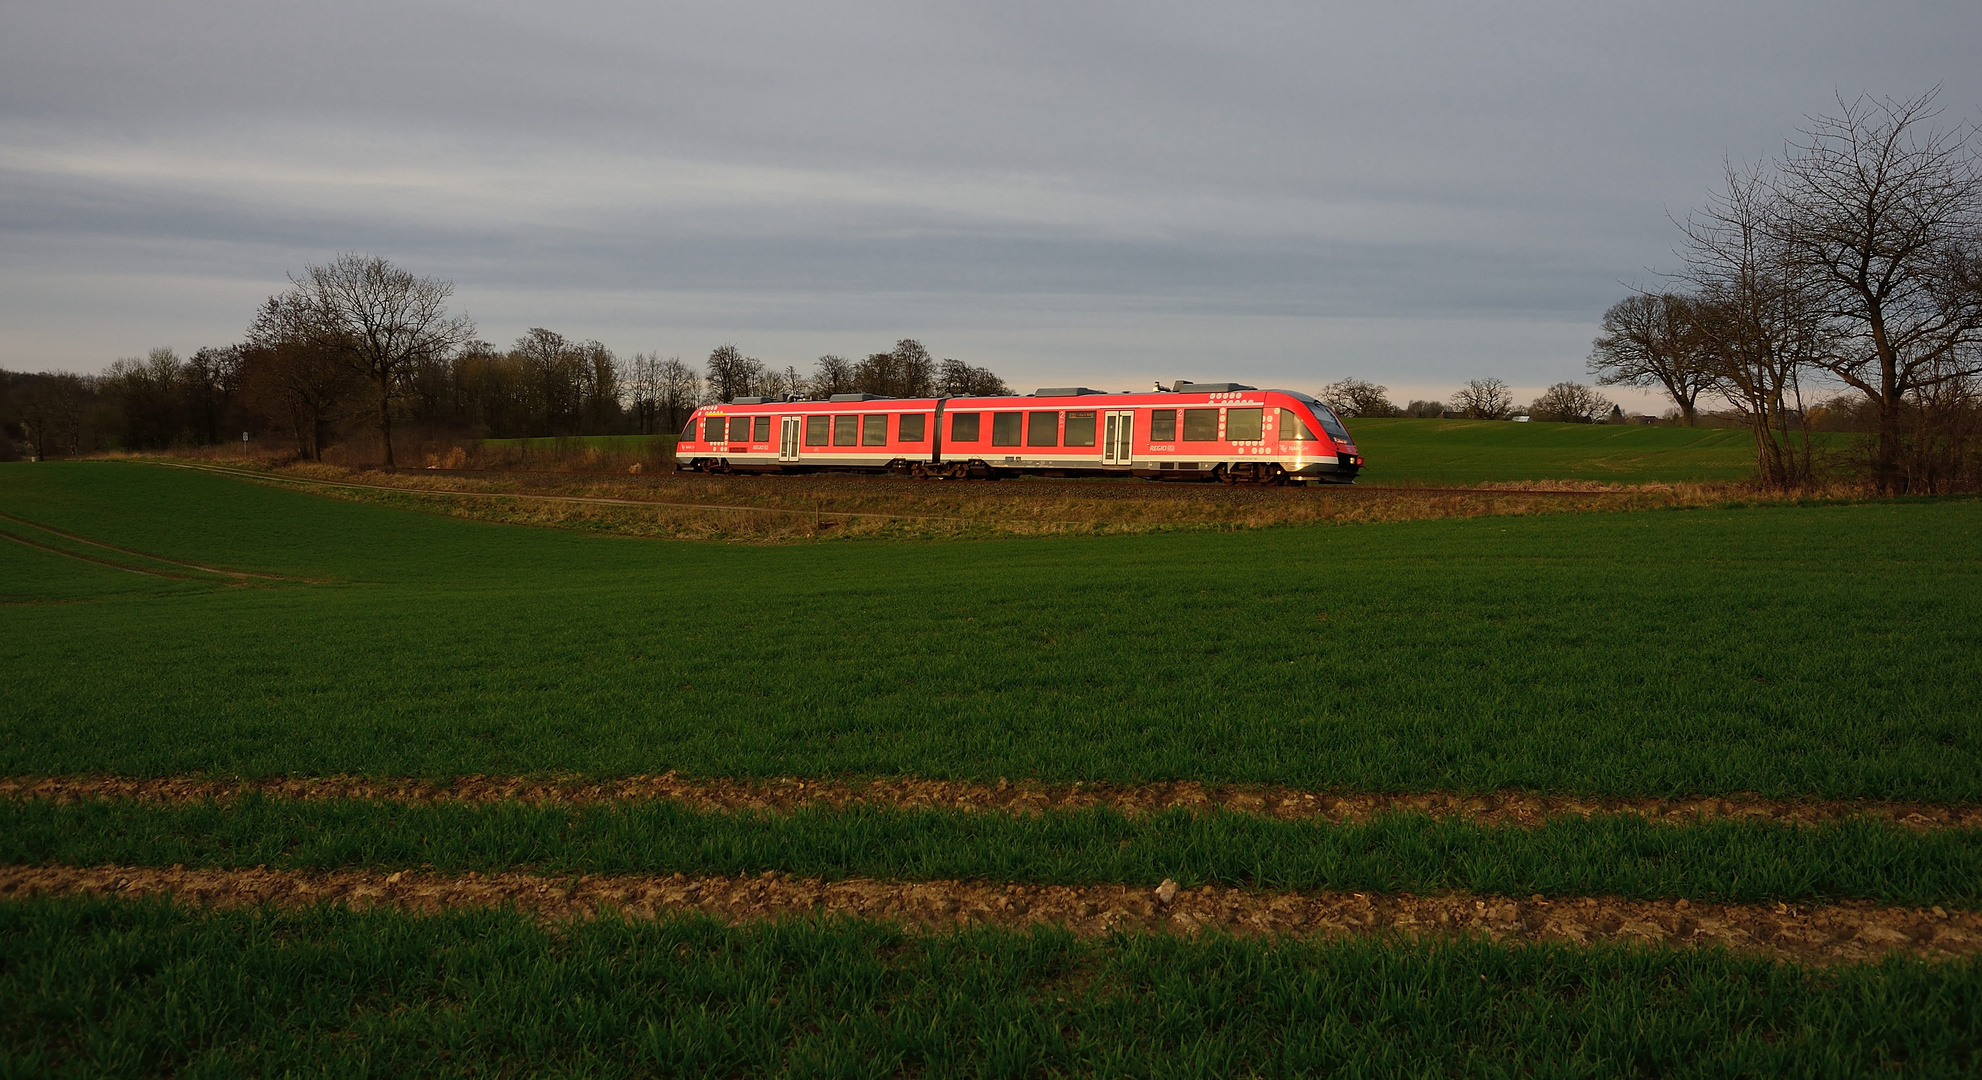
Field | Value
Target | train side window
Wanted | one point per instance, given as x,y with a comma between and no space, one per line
911,427
874,430
1200,425
963,427
1042,429
1295,429
688,429
846,430
1163,425
760,429
1244,425
714,429
818,430
1080,429
1006,428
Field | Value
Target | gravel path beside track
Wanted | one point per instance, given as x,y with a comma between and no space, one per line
1509,808
1832,934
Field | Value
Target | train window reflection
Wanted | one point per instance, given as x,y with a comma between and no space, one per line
1200,425
1244,425
1080,429
874,430
1163,425
1005,428
816,428
846,430
963,427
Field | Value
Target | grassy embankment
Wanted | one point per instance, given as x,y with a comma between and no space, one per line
1438,452
1776,649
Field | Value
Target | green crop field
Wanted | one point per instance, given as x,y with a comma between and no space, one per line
158,622
1775,649
1496,451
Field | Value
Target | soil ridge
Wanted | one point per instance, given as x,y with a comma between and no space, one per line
784,794
1850,932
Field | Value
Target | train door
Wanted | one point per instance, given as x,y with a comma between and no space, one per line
1118,429
788,438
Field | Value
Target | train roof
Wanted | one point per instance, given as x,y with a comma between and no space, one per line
1180,392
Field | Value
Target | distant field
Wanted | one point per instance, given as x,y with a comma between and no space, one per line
1492,451
1773,649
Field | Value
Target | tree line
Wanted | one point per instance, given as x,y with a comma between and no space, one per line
1853,262
358,346
1479,399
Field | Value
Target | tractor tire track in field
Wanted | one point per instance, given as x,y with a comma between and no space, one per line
1830,934
238,576
785,794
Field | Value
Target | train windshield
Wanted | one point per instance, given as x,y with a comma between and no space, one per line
1329,421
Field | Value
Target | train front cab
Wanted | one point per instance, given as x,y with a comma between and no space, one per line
1325,456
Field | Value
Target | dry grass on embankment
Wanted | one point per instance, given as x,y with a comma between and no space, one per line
1849,932
795,508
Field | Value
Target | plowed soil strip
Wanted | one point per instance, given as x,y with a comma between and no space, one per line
1841,933
1498,808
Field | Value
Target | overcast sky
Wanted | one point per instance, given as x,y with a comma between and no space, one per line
1105,193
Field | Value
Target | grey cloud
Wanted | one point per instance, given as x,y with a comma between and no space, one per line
1267,170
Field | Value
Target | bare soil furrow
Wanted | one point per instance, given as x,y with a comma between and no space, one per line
784,794
1830,934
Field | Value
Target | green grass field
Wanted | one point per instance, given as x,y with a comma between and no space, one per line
1435,452
1826,649
117,988
1782,649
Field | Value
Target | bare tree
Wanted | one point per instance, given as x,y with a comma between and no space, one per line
598,388
1484,399
381,320
640,382
1650,339
1570,403
292,377
679,391
730,373
1352,398
1758,316
1881,213
49,408
833,375
553,365
955,378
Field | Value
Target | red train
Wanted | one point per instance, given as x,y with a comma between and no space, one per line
1196,431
